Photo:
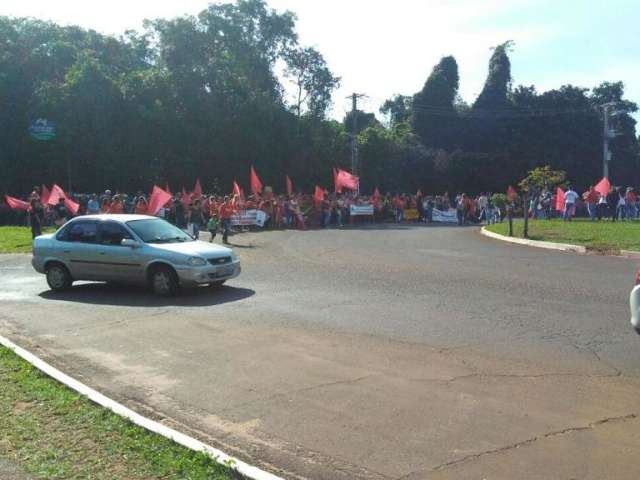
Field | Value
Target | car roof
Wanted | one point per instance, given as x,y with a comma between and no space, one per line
124,217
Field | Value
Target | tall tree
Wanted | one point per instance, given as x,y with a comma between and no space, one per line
494,95
434,117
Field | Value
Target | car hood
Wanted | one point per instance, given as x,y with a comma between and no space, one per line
197,248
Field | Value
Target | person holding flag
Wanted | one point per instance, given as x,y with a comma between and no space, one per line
36,216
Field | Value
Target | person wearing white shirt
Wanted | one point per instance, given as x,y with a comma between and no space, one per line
570,197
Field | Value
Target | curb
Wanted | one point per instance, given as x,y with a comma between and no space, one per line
245,469
563,247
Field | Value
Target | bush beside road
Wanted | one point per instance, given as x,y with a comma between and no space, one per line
602,236
51,432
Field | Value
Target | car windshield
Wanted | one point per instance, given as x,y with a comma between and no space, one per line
158,231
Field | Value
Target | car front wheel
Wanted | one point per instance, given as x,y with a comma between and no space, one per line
164,281
58,277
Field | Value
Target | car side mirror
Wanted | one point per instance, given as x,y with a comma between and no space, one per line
128,242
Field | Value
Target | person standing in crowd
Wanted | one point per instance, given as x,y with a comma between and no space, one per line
570,197
93,206
212,226
460,205
621,206
590,198
60,212
483,202
141,206
117,207
106,205
196,218
612,202
632,200
36,217
179,213
601,208
225,213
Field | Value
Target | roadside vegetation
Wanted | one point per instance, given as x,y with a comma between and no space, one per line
600,236
17,239
51,432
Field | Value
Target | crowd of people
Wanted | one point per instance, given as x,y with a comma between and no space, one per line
216,213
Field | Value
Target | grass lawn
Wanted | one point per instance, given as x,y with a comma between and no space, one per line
600,236
51,432
17,239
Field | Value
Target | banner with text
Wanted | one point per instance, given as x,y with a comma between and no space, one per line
356,210
445,216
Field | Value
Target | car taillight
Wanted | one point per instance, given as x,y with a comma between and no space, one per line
638,277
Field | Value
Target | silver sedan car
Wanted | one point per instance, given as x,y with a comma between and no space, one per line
135,249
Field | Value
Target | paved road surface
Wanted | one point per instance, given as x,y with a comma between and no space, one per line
379,353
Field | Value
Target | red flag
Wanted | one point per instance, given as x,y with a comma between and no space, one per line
236,189
318,196
337,188
17,204
256,184
559,199
346,180
57,193
289,185
511,193
44,197
197,190
158,199
603,187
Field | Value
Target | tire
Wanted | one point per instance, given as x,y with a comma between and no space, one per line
58,277
217,284
163,281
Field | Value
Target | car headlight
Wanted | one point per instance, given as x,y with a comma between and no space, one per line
196,261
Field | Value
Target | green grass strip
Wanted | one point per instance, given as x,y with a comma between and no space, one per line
52,432
17,239
600,236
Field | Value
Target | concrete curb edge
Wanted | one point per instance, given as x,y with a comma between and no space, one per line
245,469
563,247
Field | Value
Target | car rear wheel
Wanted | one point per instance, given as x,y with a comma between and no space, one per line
58,277
164,281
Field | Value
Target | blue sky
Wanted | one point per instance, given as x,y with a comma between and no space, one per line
382,47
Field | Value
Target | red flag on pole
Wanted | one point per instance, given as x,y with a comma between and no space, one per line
511,193
256,184
16,203
289,185
603,187
56,194
236,189
45,194
318,196
346,180
157,200
559,199
197,190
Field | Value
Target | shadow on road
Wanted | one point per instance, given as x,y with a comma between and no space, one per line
132,296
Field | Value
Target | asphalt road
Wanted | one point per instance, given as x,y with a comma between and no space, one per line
378,353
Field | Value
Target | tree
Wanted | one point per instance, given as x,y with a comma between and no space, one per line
434,117
312,79
397,109
498,83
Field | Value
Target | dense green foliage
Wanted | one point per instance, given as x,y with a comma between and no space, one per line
202,96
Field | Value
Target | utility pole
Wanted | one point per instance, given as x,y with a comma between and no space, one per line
354,136
606,154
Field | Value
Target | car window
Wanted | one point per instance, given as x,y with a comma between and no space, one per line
112,233
83,232
158,231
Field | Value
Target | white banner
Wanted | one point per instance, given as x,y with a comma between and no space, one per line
361,210
246,218
446,216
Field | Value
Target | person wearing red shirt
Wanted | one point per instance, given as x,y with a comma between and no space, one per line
224,214
116,206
